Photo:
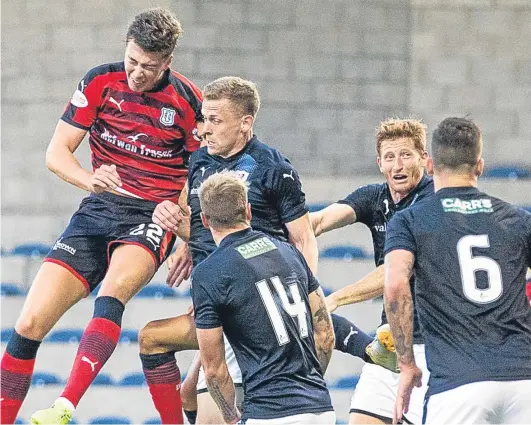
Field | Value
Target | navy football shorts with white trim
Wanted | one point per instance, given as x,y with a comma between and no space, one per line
103,222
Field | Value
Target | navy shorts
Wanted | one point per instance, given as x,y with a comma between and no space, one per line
101,223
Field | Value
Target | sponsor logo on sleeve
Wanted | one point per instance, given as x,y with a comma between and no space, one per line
79,99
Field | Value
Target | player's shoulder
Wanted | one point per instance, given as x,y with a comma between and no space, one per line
206,271
268,156
373,191
199,157
185,88
108,70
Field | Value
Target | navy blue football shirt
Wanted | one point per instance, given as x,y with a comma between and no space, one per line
257,288
275,191
471,252
374,207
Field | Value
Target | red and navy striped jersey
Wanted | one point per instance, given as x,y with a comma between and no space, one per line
147,135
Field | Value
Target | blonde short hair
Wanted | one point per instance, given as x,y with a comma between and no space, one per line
242,94
223,200
393,128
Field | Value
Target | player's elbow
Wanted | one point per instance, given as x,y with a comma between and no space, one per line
393,287
51,161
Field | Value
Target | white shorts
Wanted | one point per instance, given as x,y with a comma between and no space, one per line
234,369
376,391
485,402
303,418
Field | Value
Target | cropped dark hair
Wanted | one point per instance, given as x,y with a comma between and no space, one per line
155,30
456,144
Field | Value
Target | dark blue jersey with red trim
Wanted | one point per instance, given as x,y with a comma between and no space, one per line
471,252
147,135
275,191
374,207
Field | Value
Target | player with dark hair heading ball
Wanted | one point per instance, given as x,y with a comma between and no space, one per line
141,117
469,252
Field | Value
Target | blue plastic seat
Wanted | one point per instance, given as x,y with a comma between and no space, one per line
11,290
317,206
348,382
64,336
152,421
21,421
508,172
31,250
110,420
103,379
128,336
135,379
343,252
157,291
6,334
526,207
43,379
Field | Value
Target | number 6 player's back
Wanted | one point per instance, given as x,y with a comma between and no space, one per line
261,288
470,285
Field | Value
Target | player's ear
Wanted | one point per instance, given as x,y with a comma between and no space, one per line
379,162
479,167
248,214
429,165
247,123
167,62
204,221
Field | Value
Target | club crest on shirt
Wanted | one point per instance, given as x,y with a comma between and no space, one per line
167,116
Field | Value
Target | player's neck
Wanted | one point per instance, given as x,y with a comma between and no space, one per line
220,234
240,145
443,179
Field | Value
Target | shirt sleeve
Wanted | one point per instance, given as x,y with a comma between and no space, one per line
83,107
206,304
362,201
287,189
399,234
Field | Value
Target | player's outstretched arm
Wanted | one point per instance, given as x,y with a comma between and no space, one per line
332,217
218,380
399,310
323,329
300,235
367,288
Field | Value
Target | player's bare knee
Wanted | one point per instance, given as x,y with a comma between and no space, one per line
32,326
147,340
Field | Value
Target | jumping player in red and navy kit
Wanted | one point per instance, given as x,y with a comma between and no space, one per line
141,117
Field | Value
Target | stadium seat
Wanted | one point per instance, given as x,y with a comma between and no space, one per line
63,336
135,379
343,252
348,382
152,421
31,250
110,420
103,379
157,291
11,290
317,206
21,421
128,336
508,172
6,334
42,379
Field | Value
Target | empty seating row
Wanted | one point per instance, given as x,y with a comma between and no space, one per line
153,290
73,336
137,379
